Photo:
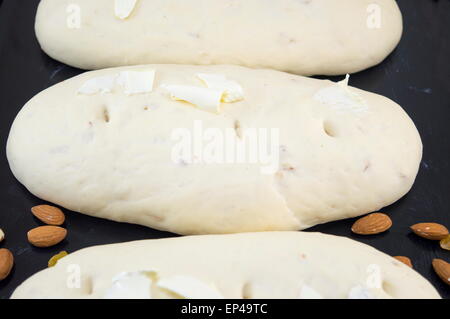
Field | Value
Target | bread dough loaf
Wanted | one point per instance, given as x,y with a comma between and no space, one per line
251,265
300,36
343,152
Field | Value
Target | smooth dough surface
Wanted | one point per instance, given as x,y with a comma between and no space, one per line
335,162
250,265
305,37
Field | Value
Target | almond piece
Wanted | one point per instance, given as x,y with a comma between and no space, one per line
46,236
404,260
442,269
6,263
372,224
2,235
445,243
430,231
49,215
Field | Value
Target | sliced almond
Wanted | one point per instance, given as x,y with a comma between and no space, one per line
46,236
372,224
6,263
49,215
404,260
442,269
445,243
2,235
430,231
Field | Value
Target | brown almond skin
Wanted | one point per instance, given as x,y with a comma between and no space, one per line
6,263
404,260
442,269
432,231
46,236
372,224
49,215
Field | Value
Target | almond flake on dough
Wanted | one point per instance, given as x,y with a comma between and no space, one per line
102,84
309,293
123,8
136,82
344,82
132,285
206,99
233,92
339,97
189,288
359,292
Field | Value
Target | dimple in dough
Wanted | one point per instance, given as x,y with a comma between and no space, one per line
252,265
305,37
109,155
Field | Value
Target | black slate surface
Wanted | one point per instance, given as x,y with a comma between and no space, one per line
416,75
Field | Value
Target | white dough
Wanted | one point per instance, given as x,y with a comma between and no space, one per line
109,155
300,36
252,265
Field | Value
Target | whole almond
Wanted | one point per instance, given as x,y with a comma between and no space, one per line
6,262
430,231
46,236
404,260
372,224
442,269
49,215
2,235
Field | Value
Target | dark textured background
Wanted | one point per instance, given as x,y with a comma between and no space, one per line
416,75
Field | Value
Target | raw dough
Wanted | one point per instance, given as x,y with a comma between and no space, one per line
300,36
252,265
343,152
